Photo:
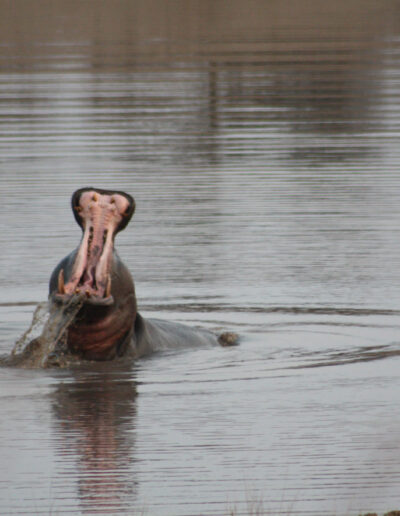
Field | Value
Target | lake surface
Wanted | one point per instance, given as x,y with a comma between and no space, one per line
261,142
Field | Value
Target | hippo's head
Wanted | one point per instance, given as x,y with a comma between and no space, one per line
104,325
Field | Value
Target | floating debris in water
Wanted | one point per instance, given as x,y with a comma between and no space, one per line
228,338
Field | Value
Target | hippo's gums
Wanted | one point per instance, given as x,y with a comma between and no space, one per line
108,324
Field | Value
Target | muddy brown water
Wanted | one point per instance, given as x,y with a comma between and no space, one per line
261,143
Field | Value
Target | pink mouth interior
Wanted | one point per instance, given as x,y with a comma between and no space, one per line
100,216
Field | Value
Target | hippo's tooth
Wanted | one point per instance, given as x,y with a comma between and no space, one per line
108,286
61,286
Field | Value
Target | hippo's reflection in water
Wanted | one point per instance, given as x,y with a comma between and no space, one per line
95,418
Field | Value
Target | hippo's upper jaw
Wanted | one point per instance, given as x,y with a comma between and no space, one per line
100,214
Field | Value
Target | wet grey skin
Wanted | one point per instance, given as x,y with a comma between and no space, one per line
108,324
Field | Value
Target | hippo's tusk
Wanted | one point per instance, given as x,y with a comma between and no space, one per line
61,286
108,286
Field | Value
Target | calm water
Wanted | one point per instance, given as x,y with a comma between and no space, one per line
261,142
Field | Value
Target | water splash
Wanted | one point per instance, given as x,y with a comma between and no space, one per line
39,319
46,334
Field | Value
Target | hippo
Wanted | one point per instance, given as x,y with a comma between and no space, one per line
108,324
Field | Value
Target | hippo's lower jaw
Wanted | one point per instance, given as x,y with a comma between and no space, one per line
88,299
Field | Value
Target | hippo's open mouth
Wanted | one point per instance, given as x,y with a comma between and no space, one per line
101,214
